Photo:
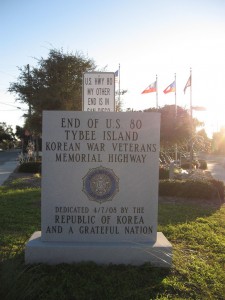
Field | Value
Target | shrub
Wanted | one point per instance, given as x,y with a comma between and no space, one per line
201,189
202,164
186,166
30,167
163,173
219,186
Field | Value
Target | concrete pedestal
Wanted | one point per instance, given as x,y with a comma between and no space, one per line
159,254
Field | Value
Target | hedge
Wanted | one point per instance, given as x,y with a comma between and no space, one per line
201,189
30,167
163,173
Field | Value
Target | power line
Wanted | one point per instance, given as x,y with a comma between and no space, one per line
6,73
8,109
11,105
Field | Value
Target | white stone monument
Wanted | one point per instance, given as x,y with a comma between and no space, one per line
99,190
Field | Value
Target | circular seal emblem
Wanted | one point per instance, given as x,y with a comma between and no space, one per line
100,184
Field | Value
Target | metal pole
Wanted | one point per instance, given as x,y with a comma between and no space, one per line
175,113
191,91
119,83
157,105
175,95
192,127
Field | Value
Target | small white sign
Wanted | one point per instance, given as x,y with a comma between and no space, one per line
99,91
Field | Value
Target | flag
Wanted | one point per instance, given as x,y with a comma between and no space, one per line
116,75
170,88
187,84
150,89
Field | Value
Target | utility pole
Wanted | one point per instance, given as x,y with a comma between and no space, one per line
29,112
28,73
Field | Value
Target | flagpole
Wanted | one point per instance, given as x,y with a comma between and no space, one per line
157,91
119,82
175,94
191,92
191,113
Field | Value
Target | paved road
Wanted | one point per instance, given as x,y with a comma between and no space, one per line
216,165
8,163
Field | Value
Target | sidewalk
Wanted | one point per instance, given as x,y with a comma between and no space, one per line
6,169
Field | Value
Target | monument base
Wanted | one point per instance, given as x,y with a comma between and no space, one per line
159,254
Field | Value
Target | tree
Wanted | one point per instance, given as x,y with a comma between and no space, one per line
177,128
218,141
7,136
55,84
118,99
175,124
25,137
202,142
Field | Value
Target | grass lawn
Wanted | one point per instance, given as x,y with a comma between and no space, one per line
197,234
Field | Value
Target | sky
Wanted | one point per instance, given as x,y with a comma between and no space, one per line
146,37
